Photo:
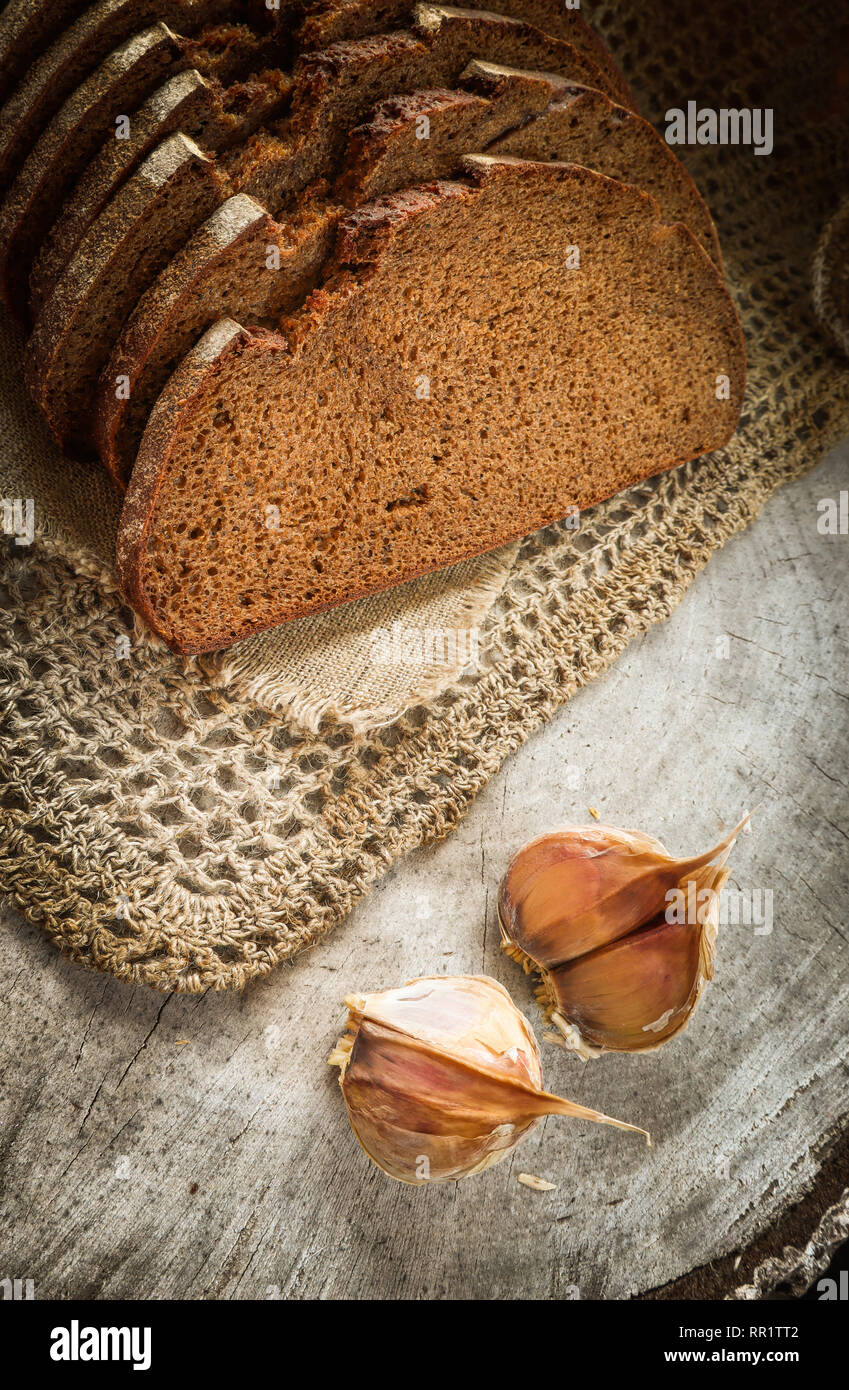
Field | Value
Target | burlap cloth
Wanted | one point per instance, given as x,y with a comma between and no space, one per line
190,825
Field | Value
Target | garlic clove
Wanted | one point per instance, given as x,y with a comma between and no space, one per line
442,1078
570,892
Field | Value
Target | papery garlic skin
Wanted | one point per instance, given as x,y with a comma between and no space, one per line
588,908
442,1078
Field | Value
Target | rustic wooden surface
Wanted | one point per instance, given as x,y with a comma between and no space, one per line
197,1147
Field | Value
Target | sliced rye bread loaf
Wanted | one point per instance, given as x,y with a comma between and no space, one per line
213,115
244,262
26,28
583,127
283,473
175,189
337,89
77,51
203,282
88,118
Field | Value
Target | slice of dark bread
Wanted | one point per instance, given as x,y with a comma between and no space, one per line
331,92
412,139
174,190
88,118
347,19
584,127
200,106
26,28
75,53
243,261
336,88
459,380
67,144
541,16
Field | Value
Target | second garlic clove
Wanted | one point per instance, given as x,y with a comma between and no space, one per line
589,909
442,1078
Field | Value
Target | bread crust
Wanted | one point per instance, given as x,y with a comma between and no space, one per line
54,369
237,219
362,241
68,142
74,54
165,111
193,101
205,359
26,27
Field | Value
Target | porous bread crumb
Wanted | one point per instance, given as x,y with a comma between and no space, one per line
583,126
331,91
351,19
335,89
